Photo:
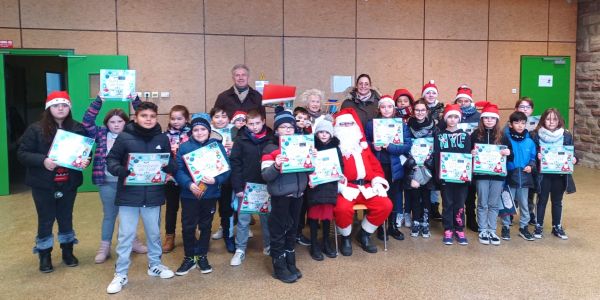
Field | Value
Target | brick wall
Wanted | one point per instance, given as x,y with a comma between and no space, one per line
587,77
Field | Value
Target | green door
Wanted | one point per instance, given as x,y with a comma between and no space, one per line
4,181
546,80
83,83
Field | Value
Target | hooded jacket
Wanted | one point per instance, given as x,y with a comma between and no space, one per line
366,110
246,158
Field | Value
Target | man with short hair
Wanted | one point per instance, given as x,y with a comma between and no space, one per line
240,96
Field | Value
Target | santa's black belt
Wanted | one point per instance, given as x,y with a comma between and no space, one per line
359,182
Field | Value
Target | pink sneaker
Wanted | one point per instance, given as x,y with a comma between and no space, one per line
461,238
448,237
138,247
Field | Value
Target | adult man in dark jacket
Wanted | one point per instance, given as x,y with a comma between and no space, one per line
240,96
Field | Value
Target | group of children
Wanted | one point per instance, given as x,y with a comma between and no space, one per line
253,152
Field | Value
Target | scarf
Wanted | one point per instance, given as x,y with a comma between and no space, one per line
367,97
468,111
432,105
404,113
110,140
517,136
241,92
420,129
314,115
551,137
258,137
146,134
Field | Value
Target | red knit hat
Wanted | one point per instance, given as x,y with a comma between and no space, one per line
58,97
349,115
404,92
452,109
429,87
464,91
489,109
238,114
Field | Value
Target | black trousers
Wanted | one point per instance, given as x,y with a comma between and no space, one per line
225,210
553,187
50,209
302,216
196,213
172,193
283,223
420,203
454,196
470,205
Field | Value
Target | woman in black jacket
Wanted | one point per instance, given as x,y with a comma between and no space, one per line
53,187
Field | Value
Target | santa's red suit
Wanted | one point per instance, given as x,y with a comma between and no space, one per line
365,183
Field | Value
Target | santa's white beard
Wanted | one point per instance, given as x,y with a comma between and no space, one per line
349,139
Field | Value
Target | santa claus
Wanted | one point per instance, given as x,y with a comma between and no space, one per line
365,184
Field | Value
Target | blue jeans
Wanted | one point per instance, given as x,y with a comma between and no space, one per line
488,203
108,193
50,209
243,227
434,196
520,197
128,219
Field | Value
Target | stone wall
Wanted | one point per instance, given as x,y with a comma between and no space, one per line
587,77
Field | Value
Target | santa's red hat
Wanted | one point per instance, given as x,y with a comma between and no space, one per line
489,109
452,109
349,115
239,114
58,97
430,86
386,99
464,91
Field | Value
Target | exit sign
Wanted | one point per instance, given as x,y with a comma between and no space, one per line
6,44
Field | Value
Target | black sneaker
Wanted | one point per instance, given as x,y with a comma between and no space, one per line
416,228
532,220
187,264
559,232
537,232
505,234
302,240
203,264
525,234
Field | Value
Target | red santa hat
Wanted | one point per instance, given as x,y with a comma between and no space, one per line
58,97
452,109
386,99
464,91
489,109
349,115
237,115
430,86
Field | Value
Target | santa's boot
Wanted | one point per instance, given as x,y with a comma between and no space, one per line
346,247
364,238
290,259
281,271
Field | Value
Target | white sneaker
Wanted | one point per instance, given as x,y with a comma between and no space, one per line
267,250
399,220
407,220
117,284
250,233
160,271
238,258
219,234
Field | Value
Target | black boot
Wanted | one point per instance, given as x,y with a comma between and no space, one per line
46,260
327,249
280,270
394,231
380,234
67,255
290,259
435,213
346,247
364,238
315,251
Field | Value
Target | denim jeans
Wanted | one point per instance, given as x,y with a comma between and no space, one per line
108,193
128,219
519,195
243,227
435,196
50,209
488,203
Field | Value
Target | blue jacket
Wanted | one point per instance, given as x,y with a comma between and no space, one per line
522,154
183,177
391,155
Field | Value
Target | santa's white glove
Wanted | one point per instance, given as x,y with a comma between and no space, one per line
350,193
380,190
368,192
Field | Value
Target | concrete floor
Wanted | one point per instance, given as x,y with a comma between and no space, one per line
547,268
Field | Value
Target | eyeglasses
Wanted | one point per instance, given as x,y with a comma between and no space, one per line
524,107
420,110
346,124
285,127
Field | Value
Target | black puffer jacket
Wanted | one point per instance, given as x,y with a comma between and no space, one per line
245,158
325,193
32,152
132,140
288,184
